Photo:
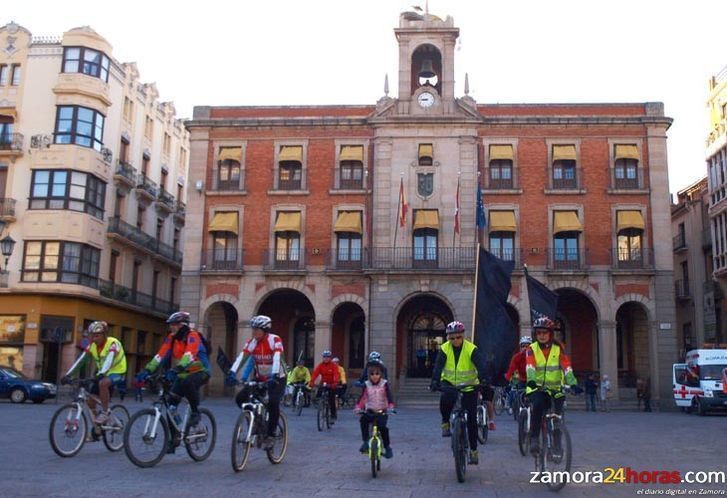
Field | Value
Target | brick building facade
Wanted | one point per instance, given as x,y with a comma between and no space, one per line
297,214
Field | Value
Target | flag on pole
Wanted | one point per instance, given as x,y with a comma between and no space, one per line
222,361
481,217
456,210
403,206
495,333
543,301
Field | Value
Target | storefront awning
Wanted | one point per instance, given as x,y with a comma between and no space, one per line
288,221
629,219
348,221
351,153
501,152
566,221
224,222
564,152
231,153
291,153
426,218
426,150
502,221
627,152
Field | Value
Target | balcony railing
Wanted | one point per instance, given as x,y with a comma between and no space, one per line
566,183
284,260
126,295
567,259
515,255
144,183
500,182
681,289
126,171
351,260
222,260
632,259
7,207
11,141
410,258
679,241
290,184
627,179
146,241
166,198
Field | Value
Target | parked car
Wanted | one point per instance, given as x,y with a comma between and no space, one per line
18,387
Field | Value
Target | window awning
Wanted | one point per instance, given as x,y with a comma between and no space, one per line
426,218
629,219
501,152
291,153
231,153
288,221
9,111
224,222
426,150
627,152
348,221
502,221
351,153
564,152
566,221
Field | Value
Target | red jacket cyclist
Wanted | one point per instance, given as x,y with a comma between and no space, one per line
328,372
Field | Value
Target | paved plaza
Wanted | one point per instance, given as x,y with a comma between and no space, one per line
328,464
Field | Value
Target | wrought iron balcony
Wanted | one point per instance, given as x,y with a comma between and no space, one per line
632,259
567,259
125,173
283,260
146,187
679,242
344,260
412,258
180,212
7,207
682,290
627,179
143,239
165,201
126,295
11,142
222,260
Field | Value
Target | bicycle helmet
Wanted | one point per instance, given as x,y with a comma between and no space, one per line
526,340
326,354
336,360
374,356
376,364
98,327
543,322
261,322
455,327
178,317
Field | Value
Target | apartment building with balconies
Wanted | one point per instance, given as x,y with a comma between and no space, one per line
93,180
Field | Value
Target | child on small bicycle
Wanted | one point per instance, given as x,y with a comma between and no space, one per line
372,405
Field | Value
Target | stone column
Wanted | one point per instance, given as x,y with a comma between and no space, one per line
607,354
323,339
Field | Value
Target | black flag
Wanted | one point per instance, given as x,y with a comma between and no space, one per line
543,301
222,360
494,331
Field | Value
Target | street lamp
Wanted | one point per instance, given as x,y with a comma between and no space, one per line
6,247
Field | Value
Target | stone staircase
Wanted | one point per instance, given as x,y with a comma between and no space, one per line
414,393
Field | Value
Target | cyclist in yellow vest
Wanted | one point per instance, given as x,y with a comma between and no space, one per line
546,366
459,362
108,353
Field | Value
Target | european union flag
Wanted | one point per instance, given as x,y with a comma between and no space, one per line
495,333
481,218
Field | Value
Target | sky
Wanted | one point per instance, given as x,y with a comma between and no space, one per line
321,52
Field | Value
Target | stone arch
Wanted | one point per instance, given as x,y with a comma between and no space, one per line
348,334
272,286
347,298
294,319
647,304
220,321
579,317
590,293
633,342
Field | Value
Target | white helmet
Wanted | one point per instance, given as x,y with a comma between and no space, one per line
526,340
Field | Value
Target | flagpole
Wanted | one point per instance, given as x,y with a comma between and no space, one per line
398,219
456,215
474,299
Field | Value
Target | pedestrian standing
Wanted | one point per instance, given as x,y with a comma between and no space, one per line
591,389
605,393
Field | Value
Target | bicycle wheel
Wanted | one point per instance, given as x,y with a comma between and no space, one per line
280,444
200,439
459,449
558,461
499,405
482,429
113,430
516,407
320,416
328,415
145,441
67,431
299,402
523,439
374,454
241,446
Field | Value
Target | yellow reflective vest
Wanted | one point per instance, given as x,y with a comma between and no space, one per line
119,364
465,371
548,373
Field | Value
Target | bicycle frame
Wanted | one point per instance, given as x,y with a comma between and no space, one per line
161,407
257,409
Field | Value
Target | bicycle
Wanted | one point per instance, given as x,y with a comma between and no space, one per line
458,425
523,424
154,431
298,397
501,401
70,428
251,429
482,419
323,416
555,452
375,443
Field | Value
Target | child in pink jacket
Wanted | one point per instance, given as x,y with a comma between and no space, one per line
375,400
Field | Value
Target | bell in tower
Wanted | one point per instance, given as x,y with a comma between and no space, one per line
426,68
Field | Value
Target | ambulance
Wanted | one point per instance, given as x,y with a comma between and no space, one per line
698,384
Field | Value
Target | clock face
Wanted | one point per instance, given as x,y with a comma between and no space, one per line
425,99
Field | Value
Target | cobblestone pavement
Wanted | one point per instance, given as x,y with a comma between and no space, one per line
328,464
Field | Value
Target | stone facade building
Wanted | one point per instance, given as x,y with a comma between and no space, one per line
93,179
339,221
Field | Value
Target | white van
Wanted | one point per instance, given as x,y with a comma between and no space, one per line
697,384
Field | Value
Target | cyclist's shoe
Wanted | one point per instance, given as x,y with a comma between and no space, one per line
491,425
268,442
534,445
364,447
102,417
388,452
473,458
445,430
194,419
